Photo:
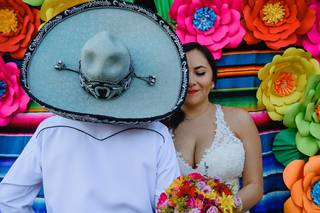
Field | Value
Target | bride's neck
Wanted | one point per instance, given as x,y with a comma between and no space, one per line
194,111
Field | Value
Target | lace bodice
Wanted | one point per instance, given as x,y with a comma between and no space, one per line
224,158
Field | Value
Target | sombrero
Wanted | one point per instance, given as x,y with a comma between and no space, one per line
106,61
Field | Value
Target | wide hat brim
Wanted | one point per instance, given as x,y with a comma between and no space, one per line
154,49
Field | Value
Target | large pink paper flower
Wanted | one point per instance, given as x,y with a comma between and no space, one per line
311,41
13,99
215,24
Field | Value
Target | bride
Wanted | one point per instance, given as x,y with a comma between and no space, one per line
215,140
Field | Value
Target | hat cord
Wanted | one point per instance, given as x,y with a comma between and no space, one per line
106,90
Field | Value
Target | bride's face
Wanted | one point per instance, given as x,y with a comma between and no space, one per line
200,78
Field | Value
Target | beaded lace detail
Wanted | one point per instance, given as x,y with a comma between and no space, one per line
224,158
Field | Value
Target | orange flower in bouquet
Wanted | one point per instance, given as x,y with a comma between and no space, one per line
198,193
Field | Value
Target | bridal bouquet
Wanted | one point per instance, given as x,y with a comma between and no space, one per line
197,193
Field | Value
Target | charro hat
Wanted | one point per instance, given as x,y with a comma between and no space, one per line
106,61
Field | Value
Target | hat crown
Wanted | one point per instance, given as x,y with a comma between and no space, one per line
104,58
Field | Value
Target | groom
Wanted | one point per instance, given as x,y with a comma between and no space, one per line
85,160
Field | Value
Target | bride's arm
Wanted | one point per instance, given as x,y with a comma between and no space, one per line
246,130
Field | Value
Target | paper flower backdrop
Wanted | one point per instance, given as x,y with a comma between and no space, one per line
303,181
13,99
163,7
215,24
277,23
18,25
34,2
284,147
305,117
51,8
284,81
311,41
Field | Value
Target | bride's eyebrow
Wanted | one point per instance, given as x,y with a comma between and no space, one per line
200,66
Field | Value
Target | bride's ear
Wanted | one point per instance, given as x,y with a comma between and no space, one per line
212,87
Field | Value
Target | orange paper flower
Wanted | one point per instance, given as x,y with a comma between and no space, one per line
18,26
303,181
277,22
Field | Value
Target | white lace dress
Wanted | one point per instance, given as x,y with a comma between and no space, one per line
224,158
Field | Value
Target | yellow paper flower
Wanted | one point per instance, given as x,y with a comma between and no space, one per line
51,8
283,81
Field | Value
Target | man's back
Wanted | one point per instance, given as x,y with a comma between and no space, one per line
89,167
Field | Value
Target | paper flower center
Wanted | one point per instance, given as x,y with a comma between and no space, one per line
284,84
317,110
9,21
273,12
315,193
204,18
3,88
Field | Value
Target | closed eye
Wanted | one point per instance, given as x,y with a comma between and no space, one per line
200,73
200,70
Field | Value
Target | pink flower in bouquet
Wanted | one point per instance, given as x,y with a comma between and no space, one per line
13,99
311,41
196,176
206,189
212,209
163,199
215,24
194,211
199,203
191,202
197,193
201,185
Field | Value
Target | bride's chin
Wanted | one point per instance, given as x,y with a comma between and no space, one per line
194,102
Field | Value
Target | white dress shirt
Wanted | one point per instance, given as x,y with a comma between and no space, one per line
90,167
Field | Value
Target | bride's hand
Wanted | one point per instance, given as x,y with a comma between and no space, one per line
238,204
237,210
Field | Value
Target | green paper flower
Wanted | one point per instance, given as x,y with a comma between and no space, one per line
285,148
163,7
35,3
305,117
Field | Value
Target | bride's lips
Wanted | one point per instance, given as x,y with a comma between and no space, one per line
191,92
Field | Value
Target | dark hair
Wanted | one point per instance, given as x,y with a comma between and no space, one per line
206,53
175,119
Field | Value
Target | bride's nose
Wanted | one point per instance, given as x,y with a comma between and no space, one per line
191,81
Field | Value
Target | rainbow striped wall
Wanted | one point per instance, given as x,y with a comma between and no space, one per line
236,86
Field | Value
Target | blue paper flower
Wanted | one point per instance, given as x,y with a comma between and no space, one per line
204,18
3,87
315,193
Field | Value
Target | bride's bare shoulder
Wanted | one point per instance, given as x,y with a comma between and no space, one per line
238,118
235,114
